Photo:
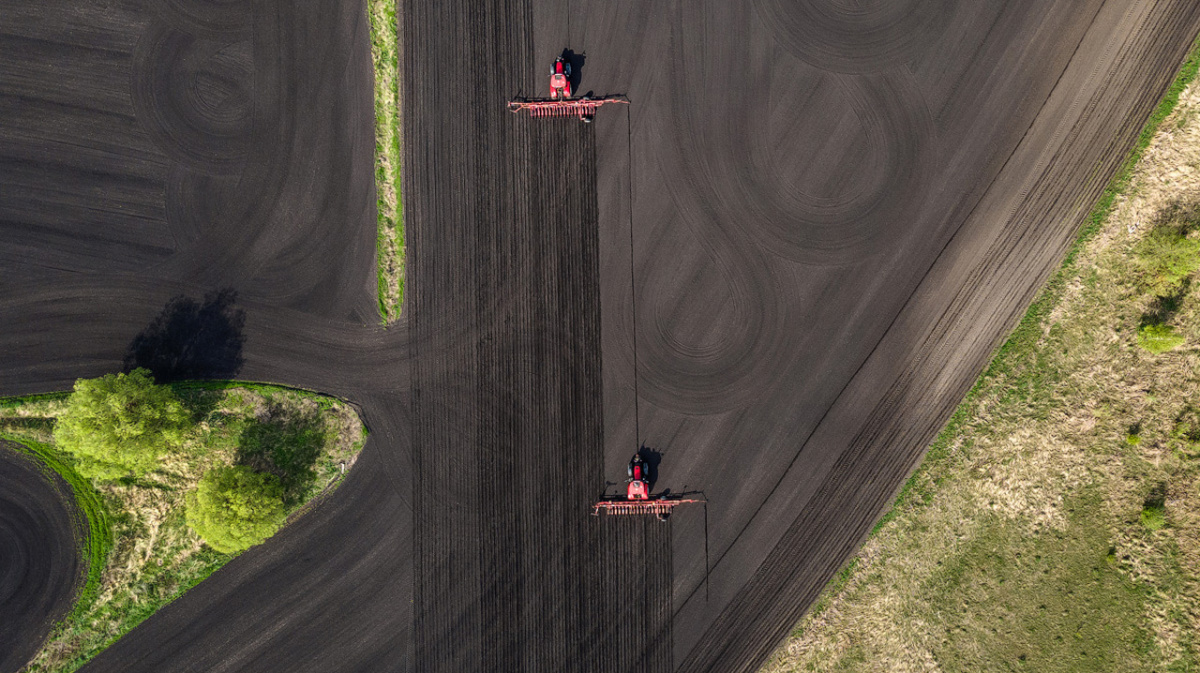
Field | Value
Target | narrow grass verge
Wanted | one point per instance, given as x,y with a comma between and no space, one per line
140,551
99,543
389,242
1051,524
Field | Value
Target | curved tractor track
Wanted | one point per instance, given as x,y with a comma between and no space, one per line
40,568
816,221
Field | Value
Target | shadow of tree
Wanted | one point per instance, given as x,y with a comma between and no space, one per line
202,403
192,339
1157,496
1182,215
1164,307
286,443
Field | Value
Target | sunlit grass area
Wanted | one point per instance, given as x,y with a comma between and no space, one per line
390,236
141,552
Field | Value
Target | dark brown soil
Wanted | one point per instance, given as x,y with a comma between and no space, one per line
40,565
835,218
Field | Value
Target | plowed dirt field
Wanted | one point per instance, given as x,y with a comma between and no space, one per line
815,220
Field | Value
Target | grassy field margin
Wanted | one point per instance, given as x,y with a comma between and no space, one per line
1014,372
1021,344
99,540
140,553
390,235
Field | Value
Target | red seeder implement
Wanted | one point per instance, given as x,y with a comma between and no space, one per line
583,108
637,498
660,507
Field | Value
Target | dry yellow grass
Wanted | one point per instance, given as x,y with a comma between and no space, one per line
1062,456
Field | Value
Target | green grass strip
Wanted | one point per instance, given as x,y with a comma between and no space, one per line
389,241
13,402
99,540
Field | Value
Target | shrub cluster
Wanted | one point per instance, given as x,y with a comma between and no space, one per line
234,508
1158,338
1166,257
121,426
1165,261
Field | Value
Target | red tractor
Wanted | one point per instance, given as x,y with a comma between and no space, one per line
560,79
562,102
639,484
638,499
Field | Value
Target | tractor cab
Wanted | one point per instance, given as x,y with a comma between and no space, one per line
639,486
560,79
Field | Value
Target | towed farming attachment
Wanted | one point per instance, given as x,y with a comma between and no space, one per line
583,108
658,506
637,498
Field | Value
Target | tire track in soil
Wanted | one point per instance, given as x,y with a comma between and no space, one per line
495,397
41,568
81,184
637,584
509,443
888,443
855,38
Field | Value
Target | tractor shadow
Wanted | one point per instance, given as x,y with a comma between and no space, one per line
576,61
652,458
191,339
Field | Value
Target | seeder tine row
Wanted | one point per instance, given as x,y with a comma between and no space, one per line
631,508
562,108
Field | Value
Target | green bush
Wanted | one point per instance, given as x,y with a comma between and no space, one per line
1187,428
1154,508
234,508
1154,517
1167,256
1159,338
120,425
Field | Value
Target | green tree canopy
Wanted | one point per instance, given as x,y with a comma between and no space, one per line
121,424
1159,338
234,508
1166,256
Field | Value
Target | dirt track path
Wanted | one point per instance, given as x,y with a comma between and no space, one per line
835,218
